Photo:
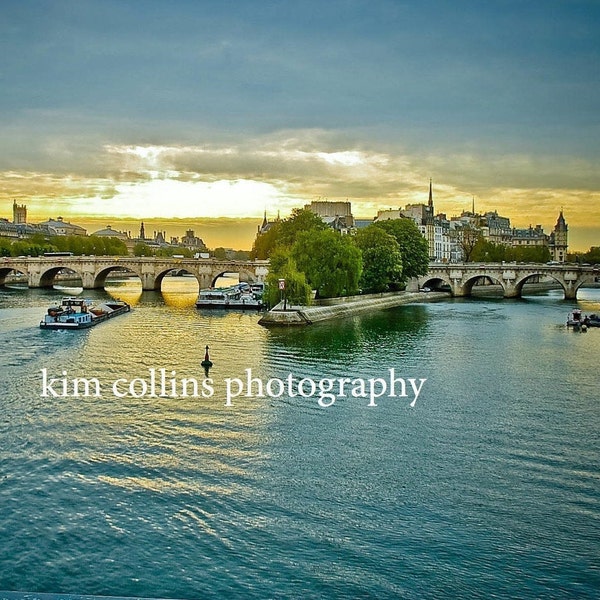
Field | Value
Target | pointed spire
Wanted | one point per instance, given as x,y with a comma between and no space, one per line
430,204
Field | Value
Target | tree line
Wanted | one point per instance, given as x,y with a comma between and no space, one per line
38,244
309,255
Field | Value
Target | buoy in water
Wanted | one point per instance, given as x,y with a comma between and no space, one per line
206,362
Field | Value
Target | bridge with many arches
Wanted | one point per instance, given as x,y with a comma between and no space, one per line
460,278
93,270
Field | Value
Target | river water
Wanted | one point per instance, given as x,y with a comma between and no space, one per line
489,486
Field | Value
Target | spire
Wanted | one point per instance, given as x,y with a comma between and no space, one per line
429,210
430,203
264,223
473,206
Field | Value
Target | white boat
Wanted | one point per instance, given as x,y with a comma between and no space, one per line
79,313
241,296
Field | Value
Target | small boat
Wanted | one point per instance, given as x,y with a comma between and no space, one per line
575,318
79,313
241,296
592,320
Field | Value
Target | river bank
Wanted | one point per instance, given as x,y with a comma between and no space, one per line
332,308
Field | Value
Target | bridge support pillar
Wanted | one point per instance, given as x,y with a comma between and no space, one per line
510,290
458,289
34,280
149,282
89,281
570,290
205,280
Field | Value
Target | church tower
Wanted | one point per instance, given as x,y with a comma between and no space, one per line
560,239
19,213
430,225
142,232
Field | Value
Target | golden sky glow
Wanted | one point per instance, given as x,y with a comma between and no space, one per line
201,184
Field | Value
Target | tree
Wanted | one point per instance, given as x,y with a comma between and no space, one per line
299,221
592,256
486,251
265,243
283,234
414,249
297,290
331,262
382,262
141,249
539,254
467,238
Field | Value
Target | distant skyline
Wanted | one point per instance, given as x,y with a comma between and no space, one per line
122,110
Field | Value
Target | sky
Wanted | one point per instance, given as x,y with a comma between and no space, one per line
116,111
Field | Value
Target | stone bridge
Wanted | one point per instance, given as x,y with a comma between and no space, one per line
41,271
461,277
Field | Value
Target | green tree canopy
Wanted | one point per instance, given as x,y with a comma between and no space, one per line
283,234
382,262
331,262
414,249
141,249
297,290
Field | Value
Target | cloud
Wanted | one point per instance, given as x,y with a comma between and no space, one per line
289,168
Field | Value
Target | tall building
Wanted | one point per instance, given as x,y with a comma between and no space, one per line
435,229
19,213
337,215
559,239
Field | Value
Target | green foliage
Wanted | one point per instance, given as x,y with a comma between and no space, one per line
414,249
141,249
297,291
166,251
382,262
283,234
331,262
539,254
96,245
485,251
265,243
592,256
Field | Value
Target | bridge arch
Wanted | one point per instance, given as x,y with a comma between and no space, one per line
165,272
99,277
6,272
47,277
522,280
435,283
481,279
243,274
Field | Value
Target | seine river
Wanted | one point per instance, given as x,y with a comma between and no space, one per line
489,486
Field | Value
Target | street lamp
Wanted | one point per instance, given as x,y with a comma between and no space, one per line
283,294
